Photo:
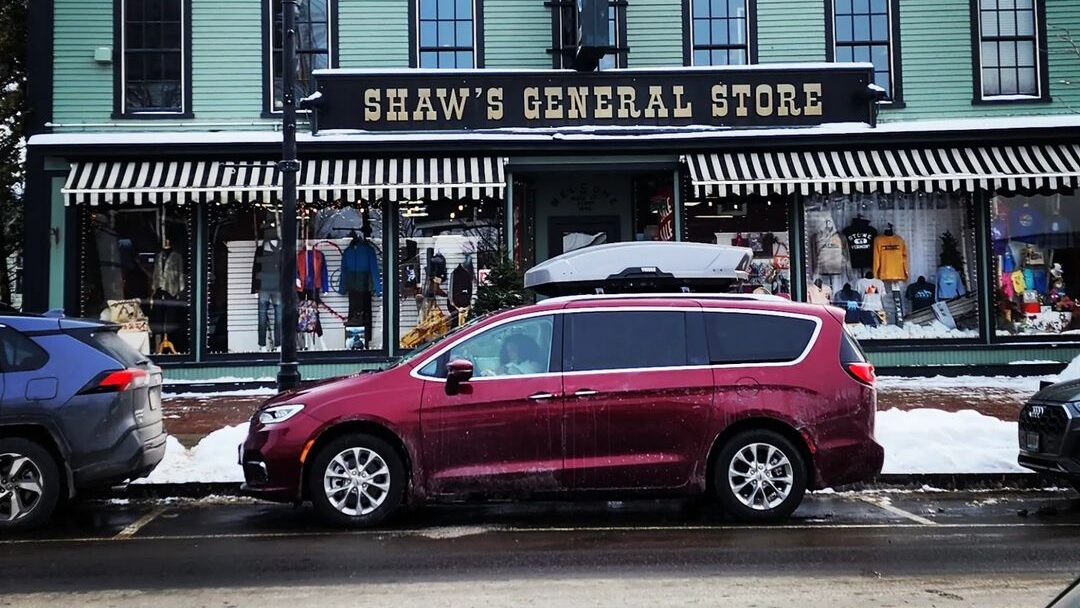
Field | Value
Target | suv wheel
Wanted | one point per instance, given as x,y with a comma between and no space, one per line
759,476
29,484
356,481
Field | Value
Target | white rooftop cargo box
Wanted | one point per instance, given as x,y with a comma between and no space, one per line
645,266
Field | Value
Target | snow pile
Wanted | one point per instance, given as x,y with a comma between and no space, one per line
213,459
935,441
1028,385
1071,371
910,331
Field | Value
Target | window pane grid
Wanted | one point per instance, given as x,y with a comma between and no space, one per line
1008,48
719,32
153,55
862,35
312,47
446,34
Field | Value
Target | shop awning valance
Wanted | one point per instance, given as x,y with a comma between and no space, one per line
151,182
959,169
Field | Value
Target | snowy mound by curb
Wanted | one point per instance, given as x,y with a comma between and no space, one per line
212,460
935,441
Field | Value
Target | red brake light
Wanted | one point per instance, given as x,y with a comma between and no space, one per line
863,372
120,380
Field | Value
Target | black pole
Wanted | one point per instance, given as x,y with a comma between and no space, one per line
289,372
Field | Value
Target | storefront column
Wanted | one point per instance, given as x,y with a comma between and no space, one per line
198,291
391,276
677,201
797,223
508,224
983,271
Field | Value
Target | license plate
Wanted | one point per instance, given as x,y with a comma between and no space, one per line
1031,441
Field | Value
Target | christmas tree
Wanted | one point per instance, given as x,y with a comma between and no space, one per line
503,288
950,254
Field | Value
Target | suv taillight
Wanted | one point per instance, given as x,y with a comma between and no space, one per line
862,371
118,381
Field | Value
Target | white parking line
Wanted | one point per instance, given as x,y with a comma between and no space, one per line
886,506
133,528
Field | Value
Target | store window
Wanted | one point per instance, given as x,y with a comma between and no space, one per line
760,223
865,31
446,34
136,272
901,265
1009,48
339,278
446,248
564,31
315,35
154,57
1035,253
721,32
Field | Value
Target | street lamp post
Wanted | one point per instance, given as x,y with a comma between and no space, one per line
289,371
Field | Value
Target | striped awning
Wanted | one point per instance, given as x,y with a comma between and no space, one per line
181,182
1035,168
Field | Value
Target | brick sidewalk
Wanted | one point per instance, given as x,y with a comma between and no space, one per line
191,419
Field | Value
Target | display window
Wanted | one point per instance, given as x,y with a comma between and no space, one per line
901,265
136,272
339,279
1035,259
755,222
445,249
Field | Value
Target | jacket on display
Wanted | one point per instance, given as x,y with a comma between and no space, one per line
266,269
461,287
168,273
921,293
311,271
890,258
949,283
360,268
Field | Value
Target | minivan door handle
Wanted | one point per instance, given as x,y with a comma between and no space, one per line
584,392
541,396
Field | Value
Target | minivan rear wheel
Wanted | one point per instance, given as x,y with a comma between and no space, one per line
29,484
356,481
759,476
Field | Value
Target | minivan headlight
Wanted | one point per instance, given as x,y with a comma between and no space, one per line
279,413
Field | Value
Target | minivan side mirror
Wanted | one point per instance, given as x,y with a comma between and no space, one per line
458,372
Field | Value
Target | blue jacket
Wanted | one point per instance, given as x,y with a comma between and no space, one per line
949,285
360,269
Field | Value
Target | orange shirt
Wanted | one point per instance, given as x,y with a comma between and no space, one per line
890,258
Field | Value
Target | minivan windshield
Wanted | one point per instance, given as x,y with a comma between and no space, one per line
413,354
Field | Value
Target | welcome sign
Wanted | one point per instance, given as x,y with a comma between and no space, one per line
443,100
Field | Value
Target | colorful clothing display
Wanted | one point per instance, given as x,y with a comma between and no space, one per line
890,258
311,271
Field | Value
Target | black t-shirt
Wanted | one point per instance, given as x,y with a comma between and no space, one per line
921,294
860,239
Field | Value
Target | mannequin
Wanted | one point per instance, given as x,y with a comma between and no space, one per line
166,285
359,279
266,282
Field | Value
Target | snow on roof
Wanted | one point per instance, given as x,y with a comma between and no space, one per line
570,134
754,67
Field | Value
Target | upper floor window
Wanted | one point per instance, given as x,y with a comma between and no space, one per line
564,30
154,57
446,33
864,31
721,32
315,25
1010,59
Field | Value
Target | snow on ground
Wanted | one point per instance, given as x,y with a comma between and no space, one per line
241,392
213,459
934,441
1020,384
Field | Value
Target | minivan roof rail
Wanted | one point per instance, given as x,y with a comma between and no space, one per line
761,297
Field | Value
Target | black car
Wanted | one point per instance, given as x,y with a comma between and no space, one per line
1049,432
79,408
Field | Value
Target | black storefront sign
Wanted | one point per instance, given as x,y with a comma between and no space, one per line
445,100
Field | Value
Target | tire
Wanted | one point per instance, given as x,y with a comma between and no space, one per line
759,495
365,499
29,484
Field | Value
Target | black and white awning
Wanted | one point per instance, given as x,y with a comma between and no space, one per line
181,182
999,168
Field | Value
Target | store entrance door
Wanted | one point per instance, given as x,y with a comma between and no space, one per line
568,233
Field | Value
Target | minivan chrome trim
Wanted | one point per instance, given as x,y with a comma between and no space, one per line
415,372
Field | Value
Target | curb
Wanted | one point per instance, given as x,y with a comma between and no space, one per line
950,482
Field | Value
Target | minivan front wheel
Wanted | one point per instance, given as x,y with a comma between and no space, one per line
356,481
759,476
29,484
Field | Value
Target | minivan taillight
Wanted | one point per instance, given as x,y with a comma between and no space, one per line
861,371
118,381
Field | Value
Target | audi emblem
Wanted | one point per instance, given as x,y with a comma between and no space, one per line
1036,411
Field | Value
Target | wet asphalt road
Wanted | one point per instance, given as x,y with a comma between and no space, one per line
181,549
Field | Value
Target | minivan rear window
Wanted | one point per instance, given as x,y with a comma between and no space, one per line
626,339
756,338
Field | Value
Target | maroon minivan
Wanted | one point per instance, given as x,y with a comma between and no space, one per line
749,399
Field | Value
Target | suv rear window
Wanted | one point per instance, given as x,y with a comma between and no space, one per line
626,340
106,341
756,338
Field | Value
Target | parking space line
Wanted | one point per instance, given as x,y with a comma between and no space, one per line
885,506
133,528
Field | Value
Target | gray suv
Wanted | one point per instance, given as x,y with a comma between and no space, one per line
1049,432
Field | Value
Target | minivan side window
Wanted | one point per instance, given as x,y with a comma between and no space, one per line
756,338
19,353
511,349
626,339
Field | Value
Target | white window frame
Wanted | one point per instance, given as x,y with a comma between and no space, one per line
746,33
183,65
1038,57
889,24
476,25
269,25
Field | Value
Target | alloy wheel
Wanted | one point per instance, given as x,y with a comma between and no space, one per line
761,476
21,486
357,481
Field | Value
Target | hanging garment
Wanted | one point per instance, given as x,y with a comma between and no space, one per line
461,287
311,271
1059,233
873,293
921,293
1026,223
890,258
828,249
360,312
168,273
360,268
860,241
768,243
819,295
1007,285
266,269
949,283
850,301
1008,262
1018,283
999,235
740,241
307,317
